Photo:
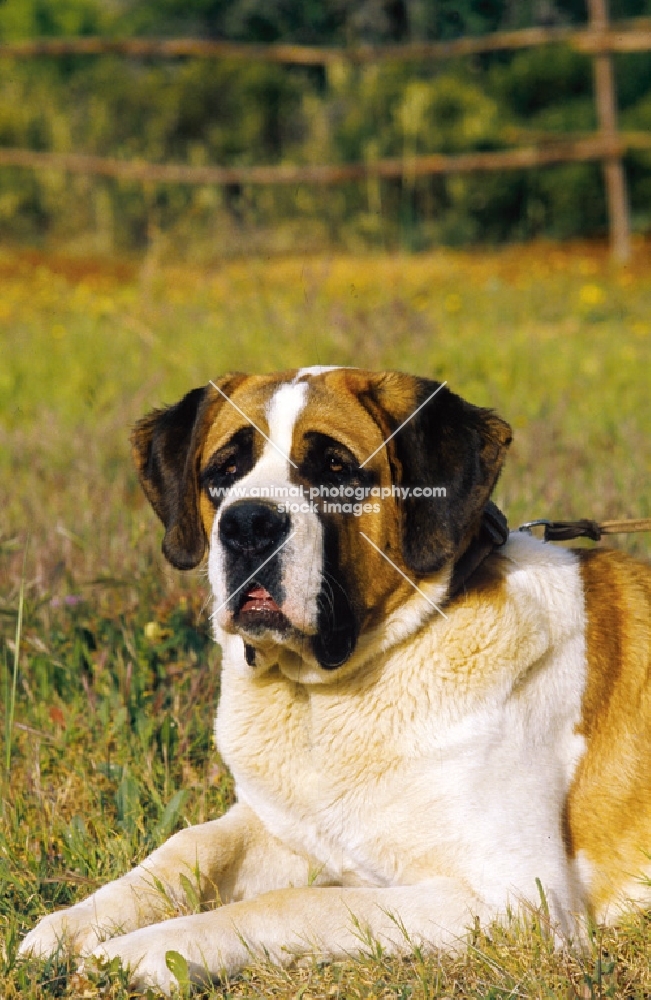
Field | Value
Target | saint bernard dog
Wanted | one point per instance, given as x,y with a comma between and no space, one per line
428,723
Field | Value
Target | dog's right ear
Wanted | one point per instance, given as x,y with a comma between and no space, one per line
166,451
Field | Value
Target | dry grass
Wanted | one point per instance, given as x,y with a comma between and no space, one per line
111,747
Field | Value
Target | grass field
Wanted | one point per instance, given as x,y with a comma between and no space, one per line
108,696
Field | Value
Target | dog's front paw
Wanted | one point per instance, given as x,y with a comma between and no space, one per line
154,958
145,965
70,930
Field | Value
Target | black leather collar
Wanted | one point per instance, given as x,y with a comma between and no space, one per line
493,532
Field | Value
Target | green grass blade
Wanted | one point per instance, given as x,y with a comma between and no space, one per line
9,721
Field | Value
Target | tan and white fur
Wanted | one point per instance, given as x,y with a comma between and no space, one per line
406,761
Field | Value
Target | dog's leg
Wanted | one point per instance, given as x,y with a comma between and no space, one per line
328,923
230,858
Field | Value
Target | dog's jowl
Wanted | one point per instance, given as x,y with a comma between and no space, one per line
428,721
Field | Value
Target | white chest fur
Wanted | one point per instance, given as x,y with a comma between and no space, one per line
449,755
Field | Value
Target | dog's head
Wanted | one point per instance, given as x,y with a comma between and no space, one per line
322,497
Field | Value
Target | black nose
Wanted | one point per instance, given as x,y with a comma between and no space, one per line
253,529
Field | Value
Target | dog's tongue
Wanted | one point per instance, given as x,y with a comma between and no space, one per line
258,599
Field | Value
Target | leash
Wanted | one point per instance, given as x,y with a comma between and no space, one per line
564,531
493,532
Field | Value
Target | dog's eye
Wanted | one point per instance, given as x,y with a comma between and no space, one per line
227,469
339,467
230,463
329,462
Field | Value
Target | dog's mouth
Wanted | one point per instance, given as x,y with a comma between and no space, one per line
258,612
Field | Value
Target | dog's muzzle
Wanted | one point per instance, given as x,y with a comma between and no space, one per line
248,529
250,533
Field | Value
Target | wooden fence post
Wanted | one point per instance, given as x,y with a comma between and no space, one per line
616,196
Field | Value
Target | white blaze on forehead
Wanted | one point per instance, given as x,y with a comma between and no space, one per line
282,413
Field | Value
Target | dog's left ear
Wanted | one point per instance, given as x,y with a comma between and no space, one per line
166,448
447,443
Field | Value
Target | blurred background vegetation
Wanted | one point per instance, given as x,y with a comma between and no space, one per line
235,112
